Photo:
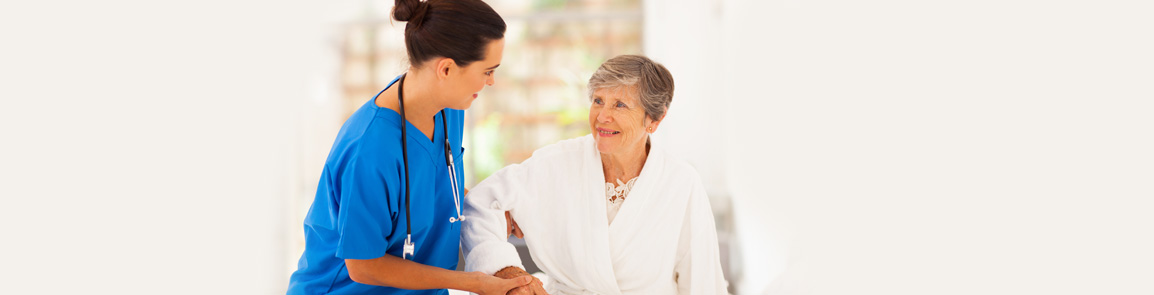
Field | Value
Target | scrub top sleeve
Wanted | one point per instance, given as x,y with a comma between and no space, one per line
365,219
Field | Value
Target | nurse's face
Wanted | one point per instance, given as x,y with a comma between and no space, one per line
618,121
469,80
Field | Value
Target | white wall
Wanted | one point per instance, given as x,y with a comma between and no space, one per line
682,35
961,147
148,146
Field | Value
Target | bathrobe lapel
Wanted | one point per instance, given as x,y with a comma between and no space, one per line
640,196
643,235
598,250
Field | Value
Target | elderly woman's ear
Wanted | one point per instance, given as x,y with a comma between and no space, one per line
652,126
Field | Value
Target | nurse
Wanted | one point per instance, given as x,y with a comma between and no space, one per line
356,229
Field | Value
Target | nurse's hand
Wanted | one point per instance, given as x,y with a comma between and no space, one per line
491,285
533,288
511,227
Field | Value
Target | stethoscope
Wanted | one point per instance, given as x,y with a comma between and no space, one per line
409,248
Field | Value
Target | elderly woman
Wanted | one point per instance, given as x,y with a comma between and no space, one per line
606,213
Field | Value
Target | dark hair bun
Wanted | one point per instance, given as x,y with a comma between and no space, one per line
457,29
410,10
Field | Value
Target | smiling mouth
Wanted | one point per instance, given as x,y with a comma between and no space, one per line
607,132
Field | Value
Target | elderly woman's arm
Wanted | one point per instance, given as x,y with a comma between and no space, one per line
699,266
512,228
487,225
484,234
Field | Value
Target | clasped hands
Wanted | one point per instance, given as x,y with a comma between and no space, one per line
533,288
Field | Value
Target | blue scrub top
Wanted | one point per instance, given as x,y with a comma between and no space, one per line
359,210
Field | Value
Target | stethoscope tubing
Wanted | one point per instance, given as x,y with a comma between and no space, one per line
409,247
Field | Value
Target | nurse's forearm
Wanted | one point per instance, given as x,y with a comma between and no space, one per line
395,272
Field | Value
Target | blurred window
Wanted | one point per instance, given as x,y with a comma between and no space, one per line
551,49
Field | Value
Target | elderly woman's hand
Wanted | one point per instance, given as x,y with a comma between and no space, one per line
533,288
511,227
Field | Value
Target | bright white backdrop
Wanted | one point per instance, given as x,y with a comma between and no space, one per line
893,147
912,147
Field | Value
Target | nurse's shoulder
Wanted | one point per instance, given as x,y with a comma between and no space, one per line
369,137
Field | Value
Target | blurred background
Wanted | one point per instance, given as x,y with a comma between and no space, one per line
848,147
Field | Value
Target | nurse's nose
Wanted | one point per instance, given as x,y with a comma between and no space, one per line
492,79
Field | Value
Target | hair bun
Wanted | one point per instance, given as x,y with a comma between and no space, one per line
410,10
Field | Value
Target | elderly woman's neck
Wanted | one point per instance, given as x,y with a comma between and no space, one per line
626,165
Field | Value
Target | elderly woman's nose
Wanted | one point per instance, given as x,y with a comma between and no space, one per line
604,115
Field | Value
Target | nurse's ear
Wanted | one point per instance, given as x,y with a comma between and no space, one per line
443,66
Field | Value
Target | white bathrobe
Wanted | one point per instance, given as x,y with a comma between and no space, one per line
662,241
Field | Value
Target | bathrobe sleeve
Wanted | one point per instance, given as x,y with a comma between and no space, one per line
484,237
698,270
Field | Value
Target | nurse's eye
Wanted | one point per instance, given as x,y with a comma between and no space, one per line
489,73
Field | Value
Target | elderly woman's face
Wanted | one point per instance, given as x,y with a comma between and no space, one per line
618,120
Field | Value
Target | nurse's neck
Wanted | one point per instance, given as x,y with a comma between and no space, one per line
421,104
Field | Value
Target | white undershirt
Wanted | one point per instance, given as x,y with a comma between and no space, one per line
615,196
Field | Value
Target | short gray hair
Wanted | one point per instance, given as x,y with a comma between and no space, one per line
654,83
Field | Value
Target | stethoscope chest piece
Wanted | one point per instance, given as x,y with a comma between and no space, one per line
409,247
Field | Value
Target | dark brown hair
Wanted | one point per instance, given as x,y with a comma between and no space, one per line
456,29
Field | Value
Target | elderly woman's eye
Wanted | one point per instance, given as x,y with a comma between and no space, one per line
621,104
597,101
